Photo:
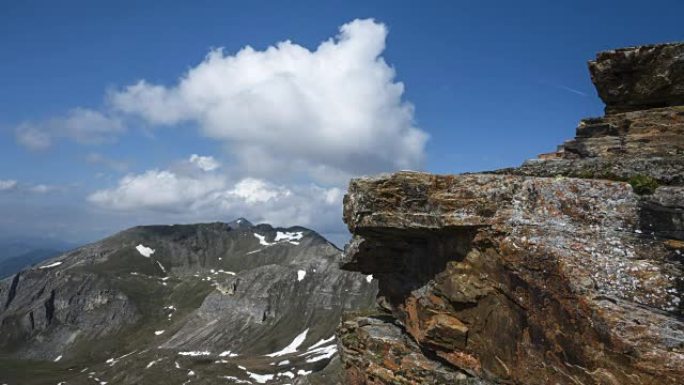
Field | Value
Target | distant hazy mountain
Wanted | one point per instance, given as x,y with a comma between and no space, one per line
21,252
12,265
212,303
15,246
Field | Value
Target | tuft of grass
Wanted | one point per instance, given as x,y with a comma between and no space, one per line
29,372
643,184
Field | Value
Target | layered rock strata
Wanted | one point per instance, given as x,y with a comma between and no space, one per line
567,270
643,129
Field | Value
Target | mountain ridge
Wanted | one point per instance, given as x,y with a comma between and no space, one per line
231,293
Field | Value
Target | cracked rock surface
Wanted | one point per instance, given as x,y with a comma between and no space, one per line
566,270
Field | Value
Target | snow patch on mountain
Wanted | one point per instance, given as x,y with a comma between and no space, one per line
161,267
322,353
260,378
144,250
195,353
322,342
289,237
54,264
281,237
262,239
293,346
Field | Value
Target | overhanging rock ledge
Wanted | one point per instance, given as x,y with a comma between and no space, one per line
566,270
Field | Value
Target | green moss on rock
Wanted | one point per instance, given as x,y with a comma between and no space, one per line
643,184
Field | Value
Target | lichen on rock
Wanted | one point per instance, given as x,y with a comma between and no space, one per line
557,272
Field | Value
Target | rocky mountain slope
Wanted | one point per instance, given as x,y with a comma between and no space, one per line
185,304
566,270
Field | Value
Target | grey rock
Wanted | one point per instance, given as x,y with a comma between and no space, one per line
638,78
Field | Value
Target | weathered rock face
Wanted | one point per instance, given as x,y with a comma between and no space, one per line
526,276
638,78
619,146
643,130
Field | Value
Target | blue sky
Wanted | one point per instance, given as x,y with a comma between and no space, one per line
484,85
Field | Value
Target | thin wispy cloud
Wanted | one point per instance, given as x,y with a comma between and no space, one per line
81,125
7,184
102,160
21,188
570,89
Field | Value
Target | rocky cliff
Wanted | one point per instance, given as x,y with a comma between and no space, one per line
566,270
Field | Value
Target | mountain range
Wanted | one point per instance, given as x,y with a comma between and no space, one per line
203,304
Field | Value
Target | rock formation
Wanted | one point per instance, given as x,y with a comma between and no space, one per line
566,270
639,78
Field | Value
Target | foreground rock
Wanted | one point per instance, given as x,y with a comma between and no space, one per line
567,270
233,303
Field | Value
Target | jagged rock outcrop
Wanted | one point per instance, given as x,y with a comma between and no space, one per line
639,78
643,130
619,146
567,270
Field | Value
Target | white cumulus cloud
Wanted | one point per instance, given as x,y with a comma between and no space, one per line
80,124
41,189
183,195
206,163
296,123
158,189
326,114
253,191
